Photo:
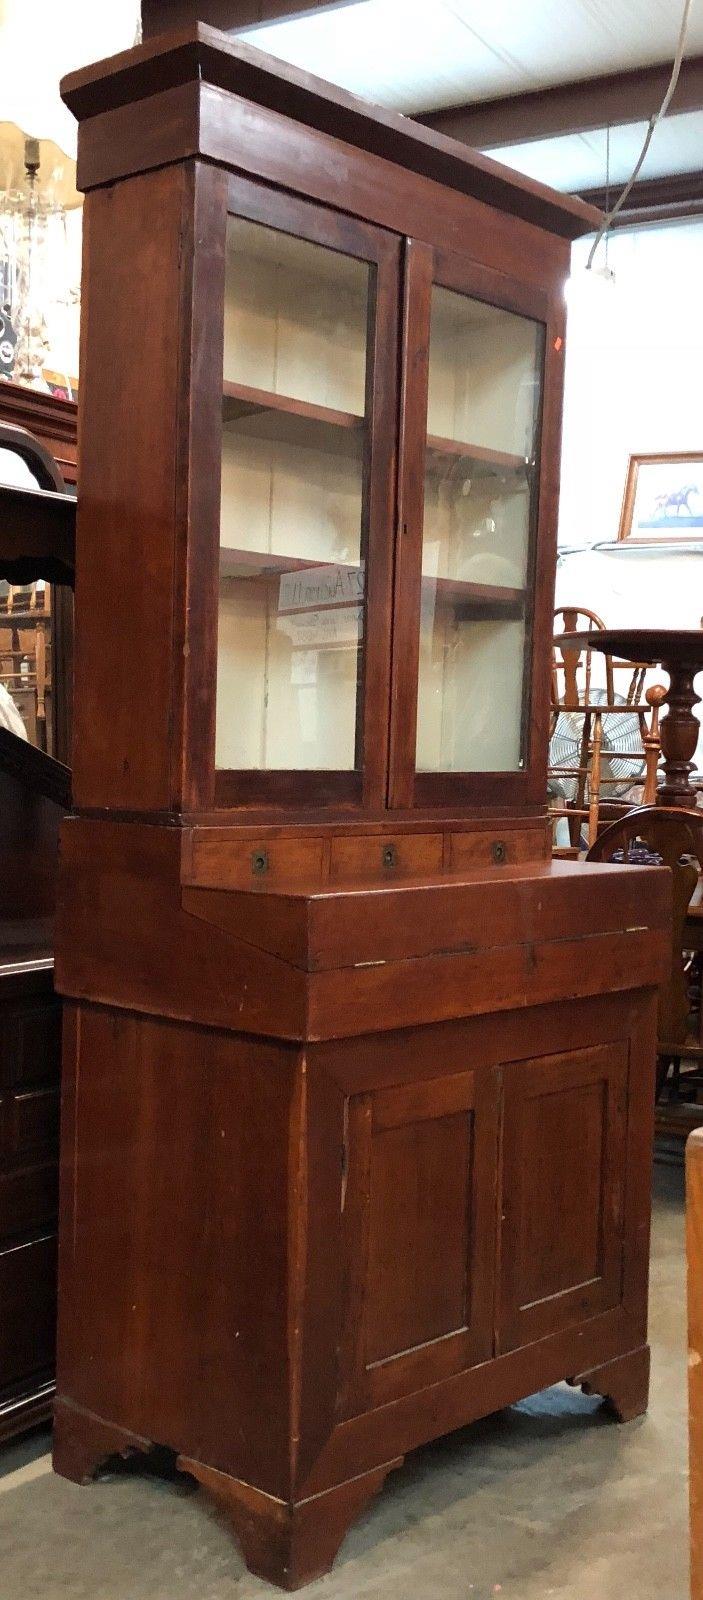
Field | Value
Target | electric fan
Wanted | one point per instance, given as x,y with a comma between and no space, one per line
622,733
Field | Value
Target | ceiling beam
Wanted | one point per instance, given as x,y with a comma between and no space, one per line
612,101
231,16
653,199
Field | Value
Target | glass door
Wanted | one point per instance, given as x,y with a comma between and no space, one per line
474,365
308,418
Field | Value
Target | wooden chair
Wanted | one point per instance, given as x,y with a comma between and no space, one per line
574,695
25,610
645,836
25,656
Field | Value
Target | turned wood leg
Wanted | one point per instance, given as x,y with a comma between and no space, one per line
679,733
623,1383
82,1442
289,1544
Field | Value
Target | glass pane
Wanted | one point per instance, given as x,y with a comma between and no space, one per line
292,565
25,639
480,486
25,662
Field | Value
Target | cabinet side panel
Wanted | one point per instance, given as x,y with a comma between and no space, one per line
174,1242
130,358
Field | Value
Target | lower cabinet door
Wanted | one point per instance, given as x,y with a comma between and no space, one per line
563,1183
420,1208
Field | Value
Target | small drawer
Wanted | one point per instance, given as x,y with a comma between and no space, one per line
34,1124
28,1198
381,856
496,849
30,1043
28,1298
244,863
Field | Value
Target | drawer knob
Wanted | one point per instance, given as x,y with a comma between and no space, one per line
259,862
389,856
499,851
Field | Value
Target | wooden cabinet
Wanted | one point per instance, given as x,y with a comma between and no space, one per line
34,793
30,1043
52,421
358,1083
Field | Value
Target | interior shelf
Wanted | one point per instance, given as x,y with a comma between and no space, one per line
483,601
479,599
267,415
487,463
267,564
280,417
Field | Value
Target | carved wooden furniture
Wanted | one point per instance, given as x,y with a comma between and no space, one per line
675,838
358,1083
573,693
34,793
30,1040
36,625
25,656
52,423
680,652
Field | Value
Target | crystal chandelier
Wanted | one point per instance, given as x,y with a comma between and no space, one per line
32,272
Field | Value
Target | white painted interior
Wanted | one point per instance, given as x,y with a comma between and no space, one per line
484,379
289,645
483,390
295,318
469,692
475,528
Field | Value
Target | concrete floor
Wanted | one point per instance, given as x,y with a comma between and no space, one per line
548,1498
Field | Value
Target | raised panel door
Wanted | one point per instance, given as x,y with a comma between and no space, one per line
420,1206
561,1246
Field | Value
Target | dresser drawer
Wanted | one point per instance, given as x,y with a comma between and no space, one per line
494,849
397,856
242,863
28,1199
28,1299
30,1043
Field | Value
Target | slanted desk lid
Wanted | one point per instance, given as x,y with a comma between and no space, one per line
320,929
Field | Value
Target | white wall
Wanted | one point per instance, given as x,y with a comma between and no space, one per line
633,384
634,369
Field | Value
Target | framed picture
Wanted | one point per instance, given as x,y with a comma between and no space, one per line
663,498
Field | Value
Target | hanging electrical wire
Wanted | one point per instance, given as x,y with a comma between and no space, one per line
666,102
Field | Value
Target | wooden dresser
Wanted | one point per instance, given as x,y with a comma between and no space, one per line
30,1053
358,1084
52,421
36,541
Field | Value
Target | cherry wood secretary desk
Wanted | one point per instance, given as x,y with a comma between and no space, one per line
358,1083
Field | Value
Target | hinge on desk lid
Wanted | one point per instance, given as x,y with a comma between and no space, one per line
345,1155
500,1213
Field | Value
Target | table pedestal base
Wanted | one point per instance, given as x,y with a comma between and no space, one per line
680,731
